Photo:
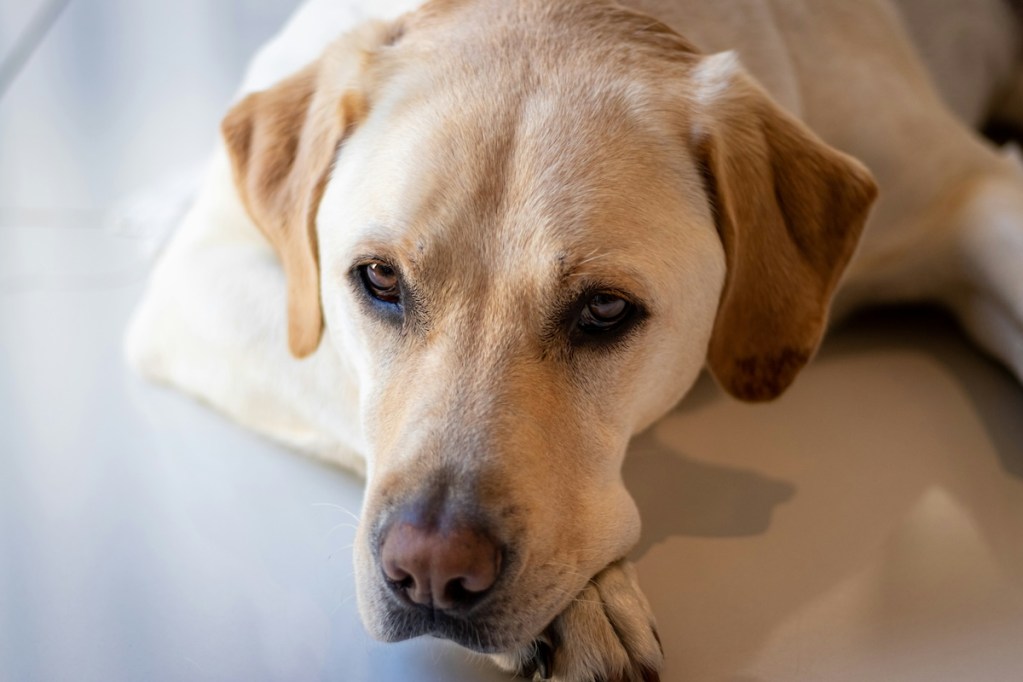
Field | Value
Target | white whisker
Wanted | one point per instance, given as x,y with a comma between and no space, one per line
340,525
342,603
337,506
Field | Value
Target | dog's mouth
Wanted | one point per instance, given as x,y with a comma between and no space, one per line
481,635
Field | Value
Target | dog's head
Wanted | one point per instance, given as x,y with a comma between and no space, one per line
527,227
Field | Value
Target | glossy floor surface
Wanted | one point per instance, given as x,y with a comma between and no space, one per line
868,526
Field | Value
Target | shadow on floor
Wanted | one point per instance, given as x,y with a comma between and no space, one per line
719,501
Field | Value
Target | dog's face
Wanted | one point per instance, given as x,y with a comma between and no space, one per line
540,225
519,281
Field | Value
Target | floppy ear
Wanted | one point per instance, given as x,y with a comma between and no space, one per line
789,210
282,143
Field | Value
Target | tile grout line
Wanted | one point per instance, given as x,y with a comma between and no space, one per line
28,41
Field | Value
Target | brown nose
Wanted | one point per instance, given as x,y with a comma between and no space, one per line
448,567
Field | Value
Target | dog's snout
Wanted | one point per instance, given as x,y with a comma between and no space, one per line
447,566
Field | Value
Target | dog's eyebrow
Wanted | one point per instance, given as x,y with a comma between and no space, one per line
569,265
377,233
386,241
596,270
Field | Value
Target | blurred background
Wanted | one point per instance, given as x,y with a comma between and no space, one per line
865,527
117,94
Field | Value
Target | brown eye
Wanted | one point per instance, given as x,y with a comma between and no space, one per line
381,282
604,312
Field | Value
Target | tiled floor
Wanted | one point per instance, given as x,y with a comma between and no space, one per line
868,526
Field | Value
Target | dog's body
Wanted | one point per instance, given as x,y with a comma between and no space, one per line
517,164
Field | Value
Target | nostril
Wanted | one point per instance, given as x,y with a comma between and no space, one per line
402,581
406,583
480,571
456,593
394,573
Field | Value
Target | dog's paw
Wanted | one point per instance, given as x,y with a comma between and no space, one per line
607,634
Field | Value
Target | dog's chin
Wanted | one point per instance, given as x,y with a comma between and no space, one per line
480,636
486,632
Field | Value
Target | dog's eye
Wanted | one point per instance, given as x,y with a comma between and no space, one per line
604,312
381,281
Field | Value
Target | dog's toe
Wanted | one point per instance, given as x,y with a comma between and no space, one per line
607,634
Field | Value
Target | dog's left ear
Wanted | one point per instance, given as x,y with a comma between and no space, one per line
789,210
282,143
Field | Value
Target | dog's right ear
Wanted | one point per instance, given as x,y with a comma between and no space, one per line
282,143
789,210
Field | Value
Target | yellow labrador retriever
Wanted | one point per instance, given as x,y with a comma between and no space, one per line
471,247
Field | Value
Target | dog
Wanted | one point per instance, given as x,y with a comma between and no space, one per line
470,247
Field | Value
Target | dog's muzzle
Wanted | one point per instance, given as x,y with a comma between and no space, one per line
440,566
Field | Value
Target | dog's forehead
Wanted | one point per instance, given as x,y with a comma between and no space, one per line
539,178
492,157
